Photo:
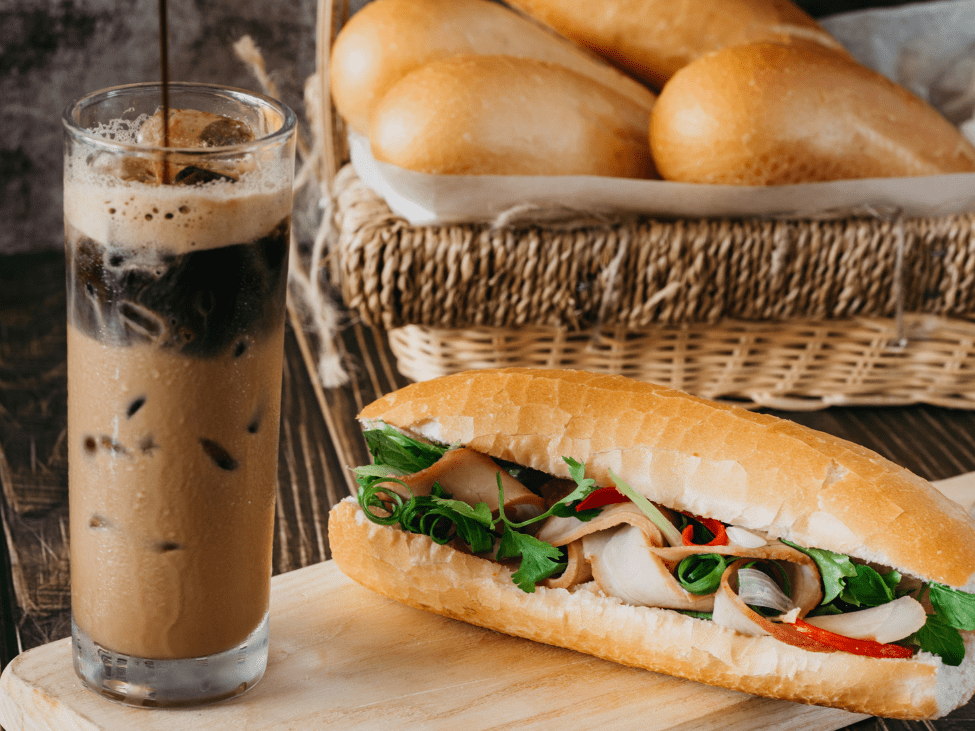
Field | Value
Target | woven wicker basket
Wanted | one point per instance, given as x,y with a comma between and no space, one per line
791,314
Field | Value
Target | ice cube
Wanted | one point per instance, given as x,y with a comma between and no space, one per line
225,131
140,323
193,175
192,129
189,128
139,170
131,169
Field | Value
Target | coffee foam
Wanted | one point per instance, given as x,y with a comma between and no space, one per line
174,218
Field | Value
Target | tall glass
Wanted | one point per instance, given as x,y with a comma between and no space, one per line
177,261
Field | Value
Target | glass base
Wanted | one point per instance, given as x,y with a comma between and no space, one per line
137,681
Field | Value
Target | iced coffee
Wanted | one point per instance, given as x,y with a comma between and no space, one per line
176,282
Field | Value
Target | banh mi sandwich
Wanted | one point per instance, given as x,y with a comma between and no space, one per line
663,531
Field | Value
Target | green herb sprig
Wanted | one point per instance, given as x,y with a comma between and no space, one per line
848,586
443,519
395,450
953,611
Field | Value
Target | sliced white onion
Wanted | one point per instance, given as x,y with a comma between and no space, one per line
887,623
759,590
744,538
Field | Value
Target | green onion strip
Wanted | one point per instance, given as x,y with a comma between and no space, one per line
671,533
392,503
701,573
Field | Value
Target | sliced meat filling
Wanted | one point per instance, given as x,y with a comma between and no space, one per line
730,611
630,561
473,478
863,632
577,569
620,548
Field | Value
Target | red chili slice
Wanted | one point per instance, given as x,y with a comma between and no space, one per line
715,526
600,498
870,648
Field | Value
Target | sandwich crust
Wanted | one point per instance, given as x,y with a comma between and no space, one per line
686,453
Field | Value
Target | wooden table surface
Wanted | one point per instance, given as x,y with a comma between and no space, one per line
319,440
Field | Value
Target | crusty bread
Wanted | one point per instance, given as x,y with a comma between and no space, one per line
412,569
687,453
389,38
501,115
652,39
771,114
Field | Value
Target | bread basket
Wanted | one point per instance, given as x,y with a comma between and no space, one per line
794,314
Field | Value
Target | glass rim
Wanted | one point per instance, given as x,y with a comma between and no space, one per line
289,121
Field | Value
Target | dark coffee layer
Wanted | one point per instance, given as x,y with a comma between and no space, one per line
199,303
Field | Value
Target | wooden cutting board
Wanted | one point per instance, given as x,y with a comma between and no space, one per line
342,657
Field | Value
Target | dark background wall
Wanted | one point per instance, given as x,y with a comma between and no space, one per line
54,51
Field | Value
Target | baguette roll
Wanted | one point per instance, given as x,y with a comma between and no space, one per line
772,114
502,115
653,39
389,38
685,454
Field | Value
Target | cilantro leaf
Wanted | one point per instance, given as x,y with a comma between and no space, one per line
893,579
474,534
473,524
539,559
867,588
955,607
442,519
366,475
398,451
939,638
562,510
479,513
376,470
847,585
584,485
834,568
